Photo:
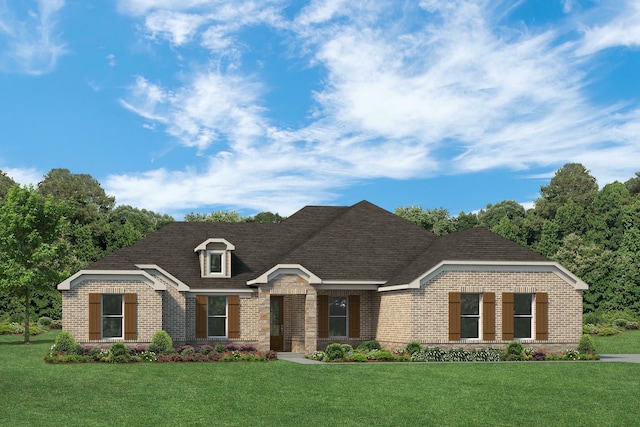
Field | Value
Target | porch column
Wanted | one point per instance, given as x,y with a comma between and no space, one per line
264,321
310,322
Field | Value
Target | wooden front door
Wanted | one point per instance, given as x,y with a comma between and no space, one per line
277,323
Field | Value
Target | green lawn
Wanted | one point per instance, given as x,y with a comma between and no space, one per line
282,393
624,343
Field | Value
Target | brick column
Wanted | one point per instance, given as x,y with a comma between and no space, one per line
264,314
311,322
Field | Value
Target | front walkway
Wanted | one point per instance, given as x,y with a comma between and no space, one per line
297,358
631,358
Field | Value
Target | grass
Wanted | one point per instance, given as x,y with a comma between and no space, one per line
624,343
282,393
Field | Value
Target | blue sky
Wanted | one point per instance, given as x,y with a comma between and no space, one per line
248,105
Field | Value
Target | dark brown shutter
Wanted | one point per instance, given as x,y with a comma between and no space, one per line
201,316
354,316
94,316
130,317
323,316
454,316
542,316
233,311
507,316
488,316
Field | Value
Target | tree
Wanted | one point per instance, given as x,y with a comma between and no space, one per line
571,182
215,216
266,217
5,184
633,185
32,245
434,220
491,216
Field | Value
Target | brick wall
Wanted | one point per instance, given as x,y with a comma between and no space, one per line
423,314
75,308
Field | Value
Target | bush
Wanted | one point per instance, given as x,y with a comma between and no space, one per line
65,343
45,321
586,345
370,345
486,355
161,343
592,318
632,325
539,356
458,355
205,349
412,347
347,348
605,332
514,348
119,349
621,323
334,351
429,354
220,348
359,357
384,355
590,328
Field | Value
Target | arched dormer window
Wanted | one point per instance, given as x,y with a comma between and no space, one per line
215,257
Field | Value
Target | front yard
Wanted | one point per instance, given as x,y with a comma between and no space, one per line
283,393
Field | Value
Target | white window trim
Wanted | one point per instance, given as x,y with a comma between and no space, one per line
478,316
103,316
226,316
223,262
346,317
531,316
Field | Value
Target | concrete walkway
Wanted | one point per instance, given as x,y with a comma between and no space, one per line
631,358
299,358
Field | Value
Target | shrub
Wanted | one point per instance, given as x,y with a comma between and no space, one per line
271,355
45,321
429,354
570,355
458,355
586,345
119,349
539,356
334,351
205,349
65,343
607,331
161,343
590,328
247,347
413,346
385,355
187,348
486,355
370,345
347,348
632,325
514,348
608,317
592,318
6,329
231,347
220,348
621,323
359,357
317,355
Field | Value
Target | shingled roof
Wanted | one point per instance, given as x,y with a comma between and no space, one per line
361,242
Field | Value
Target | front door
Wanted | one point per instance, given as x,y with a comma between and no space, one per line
277,322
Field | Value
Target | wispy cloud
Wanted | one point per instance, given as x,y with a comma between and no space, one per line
24,176
30,43
408,90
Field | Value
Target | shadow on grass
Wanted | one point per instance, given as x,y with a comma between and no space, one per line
45,338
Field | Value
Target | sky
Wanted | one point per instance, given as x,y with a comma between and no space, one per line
182,106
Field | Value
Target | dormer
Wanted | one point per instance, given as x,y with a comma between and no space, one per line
215,258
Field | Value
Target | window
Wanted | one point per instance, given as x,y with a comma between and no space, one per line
217,316
522,315
469,315
337,316
112,315
216,263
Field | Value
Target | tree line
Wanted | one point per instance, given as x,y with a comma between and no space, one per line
594,232
67,221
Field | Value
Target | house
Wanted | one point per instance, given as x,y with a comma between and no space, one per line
326,274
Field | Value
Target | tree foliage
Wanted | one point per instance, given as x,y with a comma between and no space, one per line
32,245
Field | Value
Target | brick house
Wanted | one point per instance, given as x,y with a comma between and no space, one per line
326,274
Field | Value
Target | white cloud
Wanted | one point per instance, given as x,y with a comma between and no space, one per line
30,44
407,92
621,30
24,176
